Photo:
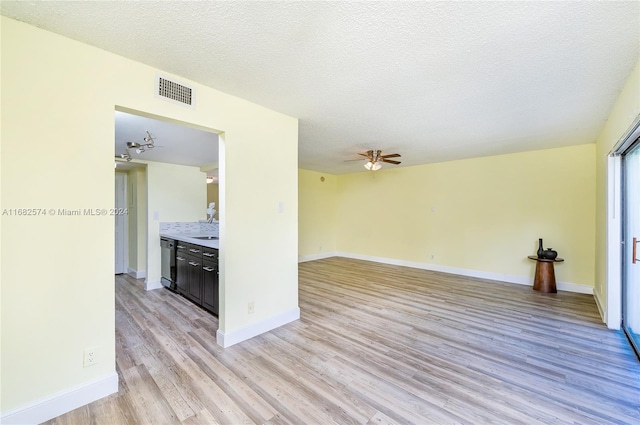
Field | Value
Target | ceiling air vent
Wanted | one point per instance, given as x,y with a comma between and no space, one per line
175,92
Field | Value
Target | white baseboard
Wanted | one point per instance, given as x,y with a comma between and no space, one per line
62,402
137,274
603,312
574,287
233,337
150,286
314,257
521,280
599,305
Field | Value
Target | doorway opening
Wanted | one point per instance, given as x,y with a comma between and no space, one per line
630,244
167,165
623,288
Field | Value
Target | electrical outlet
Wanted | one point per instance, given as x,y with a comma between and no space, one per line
90,356
251,308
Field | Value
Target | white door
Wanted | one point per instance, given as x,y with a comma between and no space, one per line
631,250
120,223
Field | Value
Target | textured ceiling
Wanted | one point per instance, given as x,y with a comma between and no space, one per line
434,81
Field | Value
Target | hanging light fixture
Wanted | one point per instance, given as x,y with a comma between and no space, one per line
209,179
149,143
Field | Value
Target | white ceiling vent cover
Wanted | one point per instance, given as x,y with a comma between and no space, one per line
173,91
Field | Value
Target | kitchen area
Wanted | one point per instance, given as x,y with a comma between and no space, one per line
170,237
189,262
171,172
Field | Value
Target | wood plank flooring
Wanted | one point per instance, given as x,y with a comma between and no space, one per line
376,344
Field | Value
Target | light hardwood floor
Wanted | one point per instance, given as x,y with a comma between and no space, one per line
376,344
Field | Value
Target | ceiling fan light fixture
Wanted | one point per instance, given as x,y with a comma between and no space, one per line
373,166
209,179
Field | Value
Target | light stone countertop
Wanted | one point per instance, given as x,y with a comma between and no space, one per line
191,238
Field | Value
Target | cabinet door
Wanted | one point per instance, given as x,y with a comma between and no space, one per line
210,286
182,273
194,289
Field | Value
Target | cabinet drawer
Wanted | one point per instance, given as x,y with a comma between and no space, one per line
195,250
189,249
182,247
209,254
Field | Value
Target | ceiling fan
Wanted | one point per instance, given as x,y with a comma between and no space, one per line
376,159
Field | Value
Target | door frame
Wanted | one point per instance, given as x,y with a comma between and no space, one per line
121,221
613,314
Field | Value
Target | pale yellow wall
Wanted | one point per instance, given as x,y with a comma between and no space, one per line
259,244
482,214
623,114
137,221
62,96
174,193
317,213
132,222
213,196
141,218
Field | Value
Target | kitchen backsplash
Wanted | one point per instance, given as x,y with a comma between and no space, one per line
189,227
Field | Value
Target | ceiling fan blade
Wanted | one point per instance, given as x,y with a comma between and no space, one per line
367,155
390,161
391,155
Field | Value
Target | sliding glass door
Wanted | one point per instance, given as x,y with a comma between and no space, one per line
631,246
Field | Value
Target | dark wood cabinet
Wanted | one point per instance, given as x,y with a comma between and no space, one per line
194,291
197,274
182,273
210,285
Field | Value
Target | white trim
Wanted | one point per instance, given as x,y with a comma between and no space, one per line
628,138
599,304
122,219
578,288
314,257
233,337
62,402
142,274
612,312
521,280
150,286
